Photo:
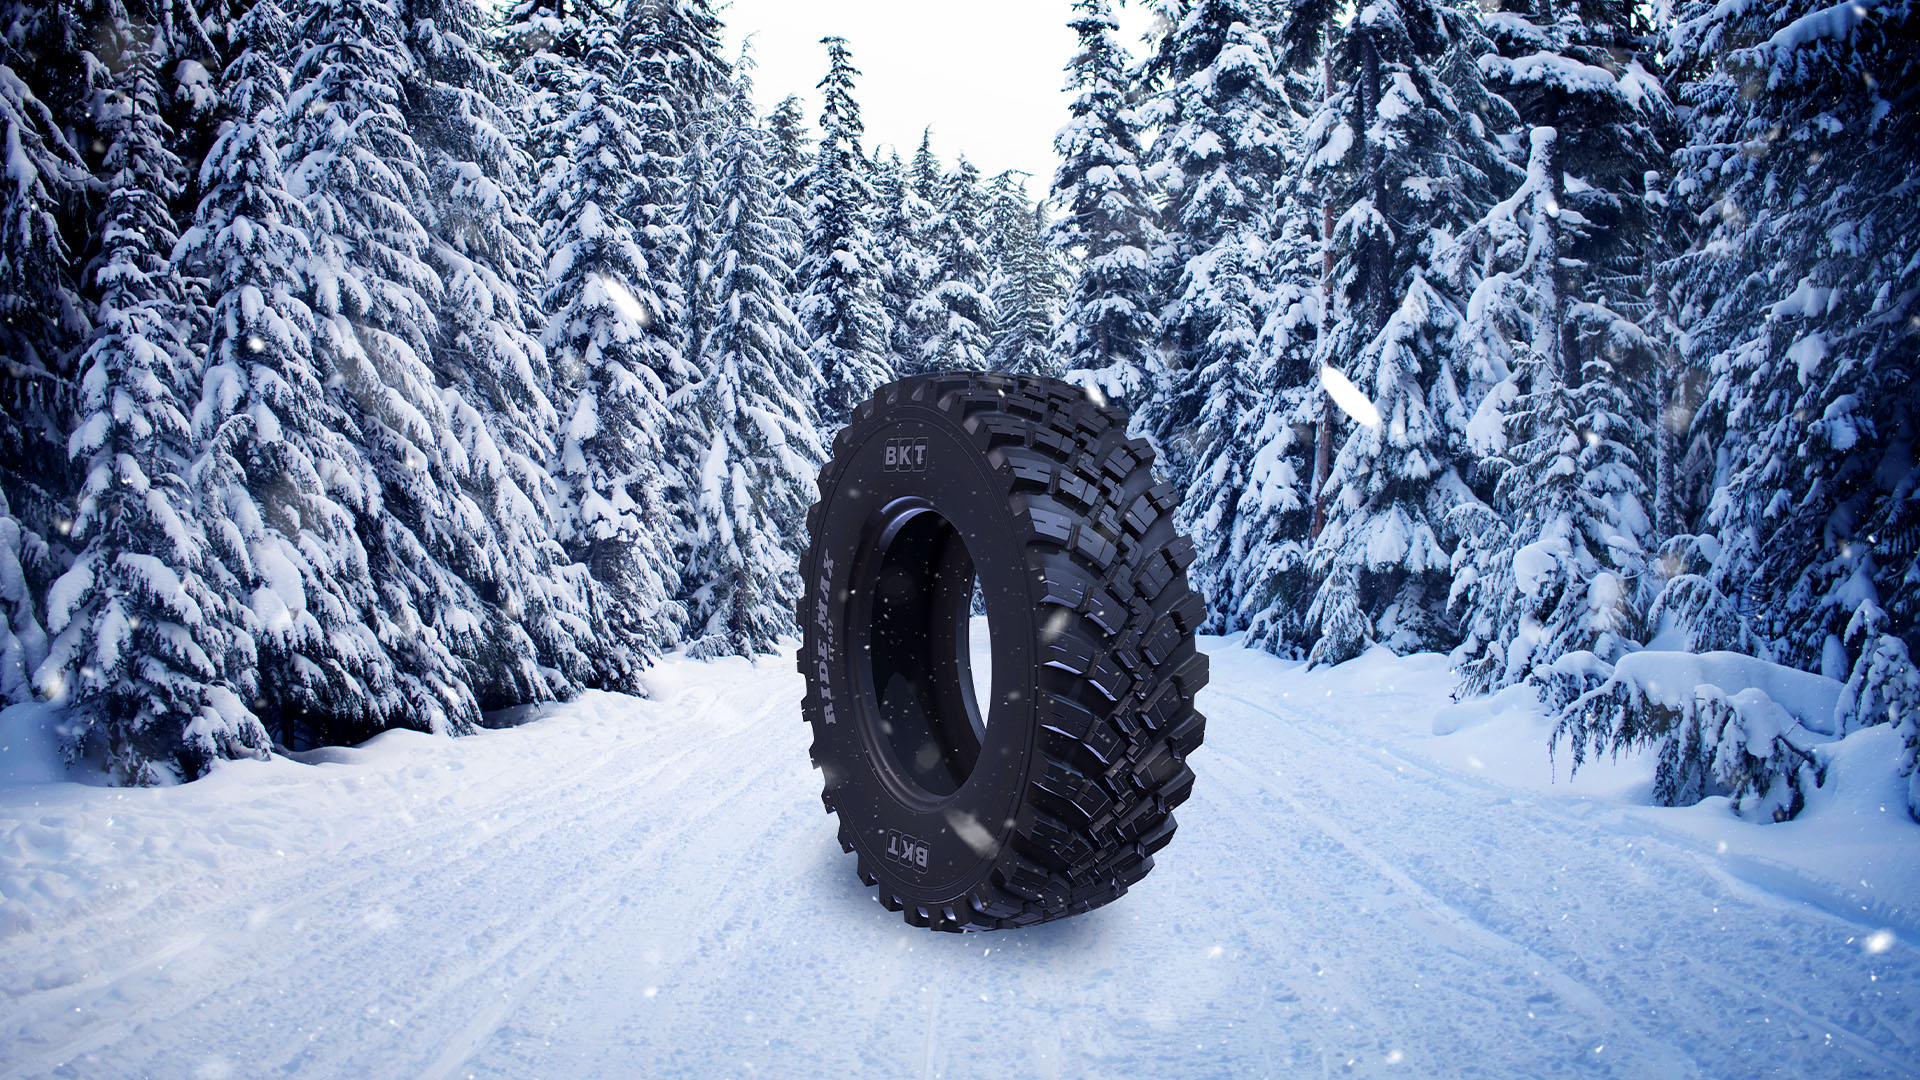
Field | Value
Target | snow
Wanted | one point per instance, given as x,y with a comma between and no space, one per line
29,752
623,886
1836,22
1552,70
1673,679
1535,564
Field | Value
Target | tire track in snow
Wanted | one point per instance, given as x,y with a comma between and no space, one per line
1442,942
564,911
1394,946
1668,868
535,815
722,829
678,844
1665,982
552,935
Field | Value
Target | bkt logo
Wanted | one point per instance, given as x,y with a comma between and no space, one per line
906,455
906,849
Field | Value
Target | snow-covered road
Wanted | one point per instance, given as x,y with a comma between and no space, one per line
649,888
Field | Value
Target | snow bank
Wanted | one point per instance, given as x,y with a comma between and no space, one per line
1672,679
1722,723
1851,850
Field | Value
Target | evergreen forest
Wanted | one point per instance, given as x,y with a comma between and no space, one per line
385,363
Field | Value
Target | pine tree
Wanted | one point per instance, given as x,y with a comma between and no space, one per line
1554,570
1106,225
672,78
1558,568
953,319
757,452
1403,150
149,660
1803,306
1224,129
605,340
1570,68
839,273
1269,571
185,55
899,239
789,155
23,641
280,486
672,47
558,50
42,319
1027,286
355,166
496,381
543,44
1305,46
1287,437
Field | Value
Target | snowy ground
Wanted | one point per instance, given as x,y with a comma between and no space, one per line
649,888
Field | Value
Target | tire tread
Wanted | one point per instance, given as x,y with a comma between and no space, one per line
1116,716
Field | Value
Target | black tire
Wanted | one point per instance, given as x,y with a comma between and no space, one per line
1057,804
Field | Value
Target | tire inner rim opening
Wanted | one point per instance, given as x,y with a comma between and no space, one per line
924,700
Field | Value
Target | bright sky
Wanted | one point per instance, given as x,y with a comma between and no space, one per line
988,75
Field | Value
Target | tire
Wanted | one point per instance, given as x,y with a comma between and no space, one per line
1056,803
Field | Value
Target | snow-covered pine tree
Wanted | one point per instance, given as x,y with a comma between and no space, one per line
1552,567
1027,284
1570,66
543,46
1403,151
42,320
926,174
840,305
790,153
899,241
1224,123
1106,225
953,319
149,660
1803,304
1556,266
697,218
673,79
1269,574
185,56
1273,524
605,306
549,45
496,382
1303,44
757,452
23,641
280,486
672,49
1003,205
354,164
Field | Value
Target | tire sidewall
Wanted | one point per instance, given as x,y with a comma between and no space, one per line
959,836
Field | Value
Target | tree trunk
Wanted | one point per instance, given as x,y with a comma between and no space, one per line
1323,437
1378,259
